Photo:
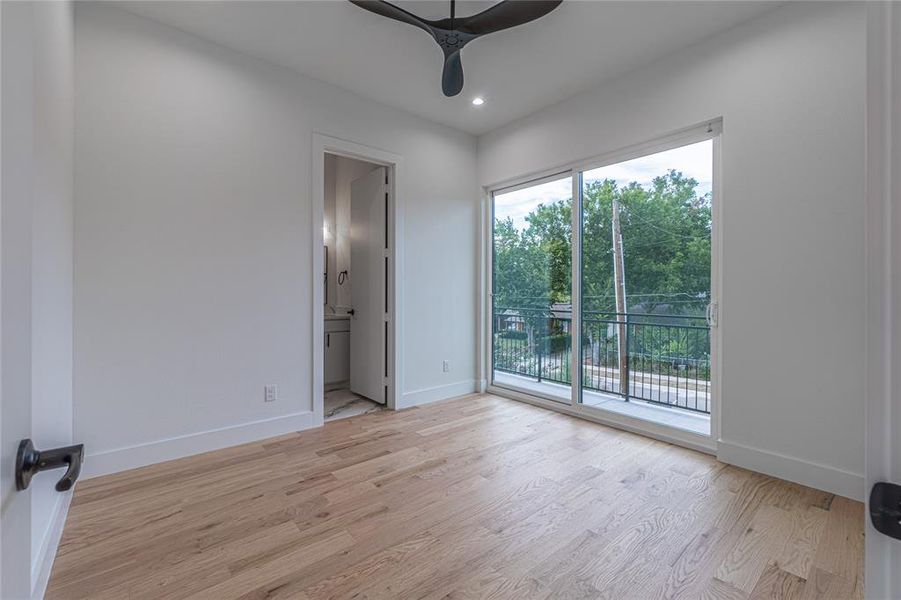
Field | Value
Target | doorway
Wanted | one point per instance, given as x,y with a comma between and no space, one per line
355,235
356,359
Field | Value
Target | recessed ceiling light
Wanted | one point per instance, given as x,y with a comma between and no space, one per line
478,101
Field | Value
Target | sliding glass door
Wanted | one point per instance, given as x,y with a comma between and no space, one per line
646,232
606,300
531,333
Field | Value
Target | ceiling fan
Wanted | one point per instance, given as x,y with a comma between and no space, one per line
454,33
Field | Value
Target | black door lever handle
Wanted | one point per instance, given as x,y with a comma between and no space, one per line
30,461
885,508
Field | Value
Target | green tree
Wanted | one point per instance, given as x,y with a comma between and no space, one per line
666,240
516,280
549,237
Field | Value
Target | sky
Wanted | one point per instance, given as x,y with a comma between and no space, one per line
694,160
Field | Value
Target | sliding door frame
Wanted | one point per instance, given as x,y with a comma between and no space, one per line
707,130
488,307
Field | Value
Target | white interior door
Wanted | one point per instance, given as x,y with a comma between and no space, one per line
16,211
368,252
883,208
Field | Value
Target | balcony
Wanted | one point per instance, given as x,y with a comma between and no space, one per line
663,376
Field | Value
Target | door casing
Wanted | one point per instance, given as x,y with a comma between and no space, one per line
321,145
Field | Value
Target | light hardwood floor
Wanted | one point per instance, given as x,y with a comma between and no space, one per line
479,497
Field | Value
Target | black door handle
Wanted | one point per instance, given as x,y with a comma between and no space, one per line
885,508
30,461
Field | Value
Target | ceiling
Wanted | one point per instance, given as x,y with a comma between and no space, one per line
517,71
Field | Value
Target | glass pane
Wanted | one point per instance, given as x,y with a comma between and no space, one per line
646,234
532,302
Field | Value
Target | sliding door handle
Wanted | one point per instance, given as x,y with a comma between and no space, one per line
712,314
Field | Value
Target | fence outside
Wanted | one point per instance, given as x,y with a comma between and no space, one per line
667,361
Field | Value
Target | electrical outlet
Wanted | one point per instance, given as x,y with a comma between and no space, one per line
270,393
445,366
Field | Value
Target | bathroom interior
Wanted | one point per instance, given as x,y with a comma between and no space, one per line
346,395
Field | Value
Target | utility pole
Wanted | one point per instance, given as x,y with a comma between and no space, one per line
619,283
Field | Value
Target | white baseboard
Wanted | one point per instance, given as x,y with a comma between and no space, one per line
42,568
441,392
131,457
821,477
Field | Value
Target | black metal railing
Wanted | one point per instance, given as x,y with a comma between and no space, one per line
667,361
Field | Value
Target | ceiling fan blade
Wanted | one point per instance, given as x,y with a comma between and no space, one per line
504,15
386,9
452,75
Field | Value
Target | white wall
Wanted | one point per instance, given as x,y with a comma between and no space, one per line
789,87
192,240
330,239
340,172
36,278
346,171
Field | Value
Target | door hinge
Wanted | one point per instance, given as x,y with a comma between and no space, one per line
885,508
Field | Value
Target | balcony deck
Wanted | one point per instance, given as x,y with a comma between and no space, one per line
671,416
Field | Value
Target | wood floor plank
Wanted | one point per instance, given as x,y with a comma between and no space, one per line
822,585
776,584
479,497
841,549
765,536
797,554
